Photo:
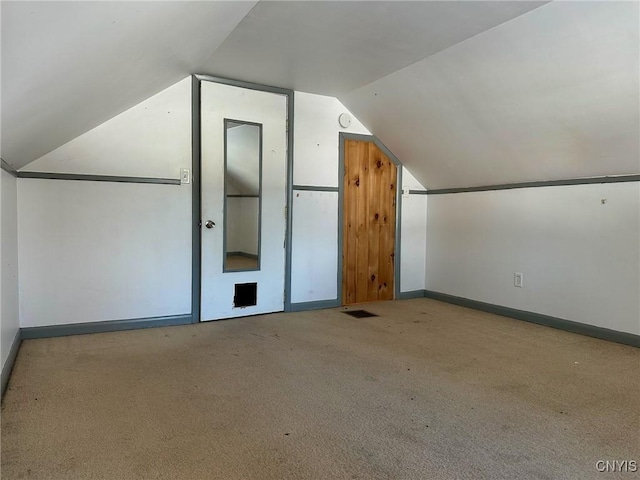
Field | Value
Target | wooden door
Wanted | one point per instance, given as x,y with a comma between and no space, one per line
369,216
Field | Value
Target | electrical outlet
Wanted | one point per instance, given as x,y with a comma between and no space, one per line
184,175
518,280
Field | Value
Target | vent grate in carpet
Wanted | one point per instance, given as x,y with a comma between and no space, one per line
360,313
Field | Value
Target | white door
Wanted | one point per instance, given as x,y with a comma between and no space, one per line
243,178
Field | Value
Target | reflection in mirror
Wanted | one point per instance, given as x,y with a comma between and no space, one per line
242,189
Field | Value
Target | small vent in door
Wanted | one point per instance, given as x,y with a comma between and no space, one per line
246,295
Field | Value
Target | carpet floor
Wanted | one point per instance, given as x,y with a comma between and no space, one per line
425,390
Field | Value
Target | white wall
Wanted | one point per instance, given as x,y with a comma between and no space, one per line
94,251
580,258
315,214
413,235
152,139
242,224
234,225
314,254
249,211
316,128
243,160
9,312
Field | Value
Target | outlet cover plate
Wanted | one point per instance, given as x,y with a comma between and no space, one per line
518,280
185,176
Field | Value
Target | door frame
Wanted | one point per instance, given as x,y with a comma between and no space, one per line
396,248
196,188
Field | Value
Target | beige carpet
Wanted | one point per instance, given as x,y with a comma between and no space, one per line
424,391
239,262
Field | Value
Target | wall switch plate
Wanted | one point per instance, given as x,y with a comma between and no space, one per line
518,280
185,176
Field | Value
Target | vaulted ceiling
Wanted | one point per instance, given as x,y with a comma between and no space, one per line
464,93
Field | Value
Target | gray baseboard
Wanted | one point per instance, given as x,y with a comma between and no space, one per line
107,326
411,294
318,305
11,360
546,320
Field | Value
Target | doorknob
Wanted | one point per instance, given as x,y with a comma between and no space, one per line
209,224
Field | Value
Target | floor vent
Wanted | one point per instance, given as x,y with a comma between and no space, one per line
360,313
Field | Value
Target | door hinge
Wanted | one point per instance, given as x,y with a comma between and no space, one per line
286,212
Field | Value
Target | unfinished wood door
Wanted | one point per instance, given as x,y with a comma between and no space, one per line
369,228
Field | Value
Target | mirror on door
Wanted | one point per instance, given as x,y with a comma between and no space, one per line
242,193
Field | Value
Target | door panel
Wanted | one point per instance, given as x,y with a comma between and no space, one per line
268,112
369,208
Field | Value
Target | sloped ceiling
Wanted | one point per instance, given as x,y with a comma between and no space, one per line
553,94
464,93
330,48
69,66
